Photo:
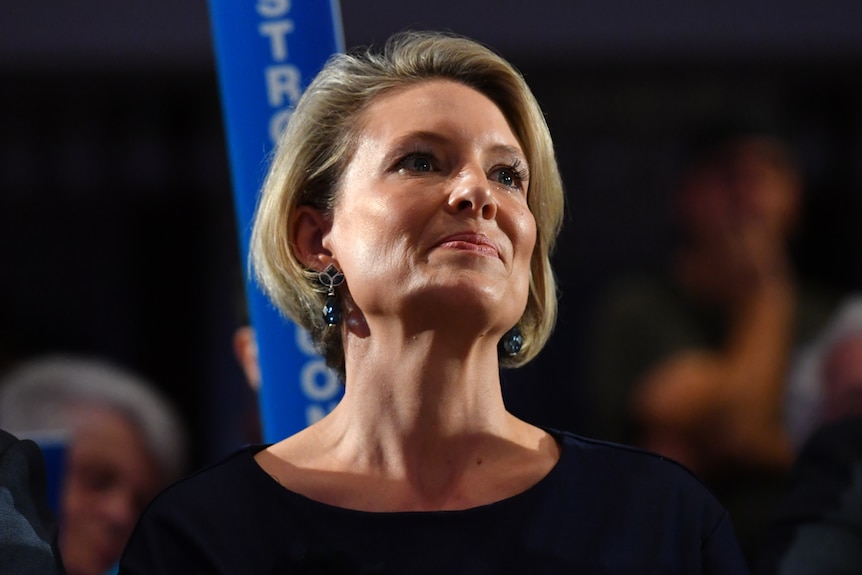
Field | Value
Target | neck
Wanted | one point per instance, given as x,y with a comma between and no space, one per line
422,425
408,397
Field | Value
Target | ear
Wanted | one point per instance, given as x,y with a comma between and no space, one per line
309,230
245,350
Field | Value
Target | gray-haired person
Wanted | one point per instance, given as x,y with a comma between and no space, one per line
123,443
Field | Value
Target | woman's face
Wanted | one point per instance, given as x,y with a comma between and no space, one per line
432,211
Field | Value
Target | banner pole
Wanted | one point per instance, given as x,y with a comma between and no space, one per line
267,52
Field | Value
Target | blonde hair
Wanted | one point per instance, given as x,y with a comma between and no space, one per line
318,144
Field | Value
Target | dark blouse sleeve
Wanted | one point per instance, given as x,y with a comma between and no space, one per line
721,552
203,524
166,542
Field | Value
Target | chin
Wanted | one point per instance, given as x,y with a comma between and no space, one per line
486,303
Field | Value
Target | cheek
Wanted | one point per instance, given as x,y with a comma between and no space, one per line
370,253
526,233
371,232
79,502
357,245
524,244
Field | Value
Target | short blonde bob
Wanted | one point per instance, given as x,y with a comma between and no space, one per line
320,139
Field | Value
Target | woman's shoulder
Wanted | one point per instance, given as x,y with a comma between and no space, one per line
607,466
622,501
614,455
235,473
200,523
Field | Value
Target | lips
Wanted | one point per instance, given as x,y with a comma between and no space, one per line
470,241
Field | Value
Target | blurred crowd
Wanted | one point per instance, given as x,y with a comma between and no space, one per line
727,359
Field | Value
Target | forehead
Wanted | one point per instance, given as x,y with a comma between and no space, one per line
435,104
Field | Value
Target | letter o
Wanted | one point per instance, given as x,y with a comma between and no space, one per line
303,341
318,382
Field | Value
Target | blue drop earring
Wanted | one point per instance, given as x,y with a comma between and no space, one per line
512,342
331,278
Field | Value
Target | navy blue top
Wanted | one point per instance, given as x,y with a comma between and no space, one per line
604,508
28,529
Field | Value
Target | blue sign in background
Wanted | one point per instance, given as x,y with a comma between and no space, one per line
267,52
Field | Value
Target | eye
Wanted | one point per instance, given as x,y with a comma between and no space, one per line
95,478
507,178
417,162
512,176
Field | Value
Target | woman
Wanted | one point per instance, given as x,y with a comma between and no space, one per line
414,198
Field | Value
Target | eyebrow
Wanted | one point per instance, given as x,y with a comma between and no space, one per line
407,140
510,150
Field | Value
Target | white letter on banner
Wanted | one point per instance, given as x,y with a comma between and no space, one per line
277,32
282,81
311,372
303,341
273,8
278,123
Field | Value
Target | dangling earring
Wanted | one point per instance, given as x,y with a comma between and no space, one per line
512,342
331,278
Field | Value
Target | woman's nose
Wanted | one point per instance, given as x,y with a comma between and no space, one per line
471,192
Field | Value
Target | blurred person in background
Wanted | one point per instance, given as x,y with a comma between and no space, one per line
692,363
121,443
244,341
825,381
818,526
245,352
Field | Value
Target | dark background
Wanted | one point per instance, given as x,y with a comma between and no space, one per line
117,235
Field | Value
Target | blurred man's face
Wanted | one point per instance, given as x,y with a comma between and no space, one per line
110,478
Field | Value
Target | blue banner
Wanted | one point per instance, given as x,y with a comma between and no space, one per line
267,52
